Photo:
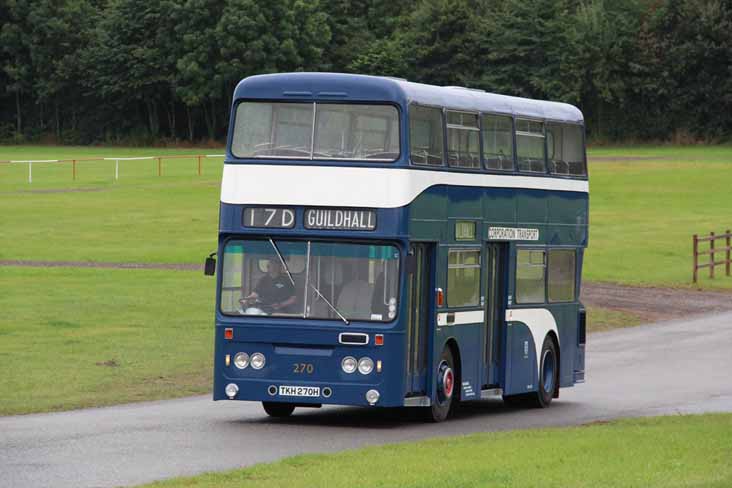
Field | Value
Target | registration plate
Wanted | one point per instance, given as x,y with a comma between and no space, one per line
300,391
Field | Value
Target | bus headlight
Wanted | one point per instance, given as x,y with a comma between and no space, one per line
241,360
257,360
349,364
231,390
365,365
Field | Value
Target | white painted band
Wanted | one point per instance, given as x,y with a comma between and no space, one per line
539,321
469,317
339,186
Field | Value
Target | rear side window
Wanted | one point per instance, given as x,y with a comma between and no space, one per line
530,147
463,278
463,146
498,142
530,273
425,135
565,150
561,279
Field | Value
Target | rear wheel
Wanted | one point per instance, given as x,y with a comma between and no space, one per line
446,379
275,409
548,374
548,380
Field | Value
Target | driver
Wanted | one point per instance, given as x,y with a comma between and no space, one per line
274,289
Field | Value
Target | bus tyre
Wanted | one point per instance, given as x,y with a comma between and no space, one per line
279,410
548,374
446,383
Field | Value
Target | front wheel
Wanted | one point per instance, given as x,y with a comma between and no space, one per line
278,410
440,409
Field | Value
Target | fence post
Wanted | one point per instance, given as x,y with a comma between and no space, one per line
160,166
116,169
73,166
199,166
728,252
711,255
696,257
30,172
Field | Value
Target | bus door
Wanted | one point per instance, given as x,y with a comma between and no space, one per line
496,255
418,320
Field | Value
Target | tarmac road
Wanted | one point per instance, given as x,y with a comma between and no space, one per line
672,367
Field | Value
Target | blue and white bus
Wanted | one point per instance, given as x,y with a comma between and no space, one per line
393,244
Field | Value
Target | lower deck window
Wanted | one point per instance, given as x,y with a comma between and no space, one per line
561,277
530,272
463,278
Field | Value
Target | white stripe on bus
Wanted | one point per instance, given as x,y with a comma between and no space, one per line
539,321
469,317
278,184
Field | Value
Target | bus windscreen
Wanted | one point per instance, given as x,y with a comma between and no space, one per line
312,280
329,131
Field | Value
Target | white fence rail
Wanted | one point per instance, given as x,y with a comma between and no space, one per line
30,162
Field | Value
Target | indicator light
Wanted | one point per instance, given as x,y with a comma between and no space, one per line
227,360
379,339
228,333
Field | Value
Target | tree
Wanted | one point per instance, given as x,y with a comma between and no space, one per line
17,65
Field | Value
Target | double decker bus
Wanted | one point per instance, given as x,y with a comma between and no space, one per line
393,244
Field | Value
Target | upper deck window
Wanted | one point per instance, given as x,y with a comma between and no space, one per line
565,150
498,142
316,131
530,147
463,150
426,136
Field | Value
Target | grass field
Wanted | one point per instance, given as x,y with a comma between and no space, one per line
86,337
665,452
643,214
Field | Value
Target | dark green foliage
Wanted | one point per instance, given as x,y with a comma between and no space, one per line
144,70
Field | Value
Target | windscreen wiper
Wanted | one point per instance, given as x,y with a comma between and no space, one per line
282,261
345,320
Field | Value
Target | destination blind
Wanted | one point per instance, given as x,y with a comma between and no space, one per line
340,219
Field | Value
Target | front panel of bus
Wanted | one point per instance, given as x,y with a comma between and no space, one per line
310,296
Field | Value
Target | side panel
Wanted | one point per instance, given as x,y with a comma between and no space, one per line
521,365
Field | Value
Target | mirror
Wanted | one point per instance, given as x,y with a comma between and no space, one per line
209,267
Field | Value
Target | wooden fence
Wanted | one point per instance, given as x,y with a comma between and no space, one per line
712,252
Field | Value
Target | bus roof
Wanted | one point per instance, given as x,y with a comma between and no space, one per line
348,87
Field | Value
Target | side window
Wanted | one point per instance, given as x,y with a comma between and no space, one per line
463,149
555,149
530,146
565,150
498,142
561,281
574,150
530,272
425,135
463,278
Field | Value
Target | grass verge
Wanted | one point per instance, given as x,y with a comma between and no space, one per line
74,338
664,452
600,319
